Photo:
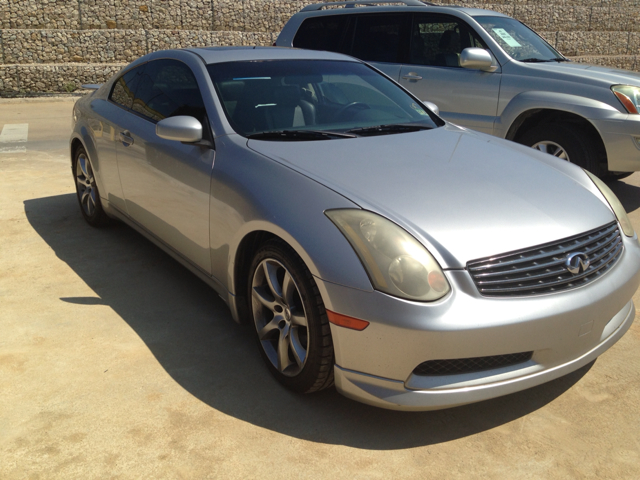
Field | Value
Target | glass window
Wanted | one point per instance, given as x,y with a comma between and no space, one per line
377,38
439,40
312,95
519,41
168,88
322,33
124,88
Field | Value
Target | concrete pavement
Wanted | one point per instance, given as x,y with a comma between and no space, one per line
116,362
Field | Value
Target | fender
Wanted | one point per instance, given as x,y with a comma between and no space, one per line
538,100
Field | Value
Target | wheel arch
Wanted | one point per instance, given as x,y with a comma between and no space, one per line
239,273
82,138
241,257
76,143
537,116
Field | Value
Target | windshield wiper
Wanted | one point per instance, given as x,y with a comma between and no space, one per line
536,60
389,129
299,135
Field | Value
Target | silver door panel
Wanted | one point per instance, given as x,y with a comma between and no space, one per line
166,186
466,97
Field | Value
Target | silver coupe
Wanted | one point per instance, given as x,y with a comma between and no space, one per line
415,264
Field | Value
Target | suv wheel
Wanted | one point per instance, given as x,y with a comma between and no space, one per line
565,142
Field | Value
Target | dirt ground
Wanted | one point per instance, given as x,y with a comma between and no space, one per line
116,362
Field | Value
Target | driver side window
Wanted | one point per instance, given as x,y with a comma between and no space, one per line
438,40
168,88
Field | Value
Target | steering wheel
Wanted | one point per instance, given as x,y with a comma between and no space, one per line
353,107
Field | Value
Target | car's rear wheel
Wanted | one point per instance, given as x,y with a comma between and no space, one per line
87,190
565,142
290,320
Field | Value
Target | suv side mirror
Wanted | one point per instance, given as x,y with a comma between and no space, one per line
477,59
180,128
432,106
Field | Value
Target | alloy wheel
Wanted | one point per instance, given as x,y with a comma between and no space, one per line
552,148
86,185
279,316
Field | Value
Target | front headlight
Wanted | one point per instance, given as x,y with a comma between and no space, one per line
629,96
396,262
615,204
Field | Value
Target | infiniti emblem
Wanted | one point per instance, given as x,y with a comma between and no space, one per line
577,262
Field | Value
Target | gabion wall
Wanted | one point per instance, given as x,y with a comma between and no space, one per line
56,45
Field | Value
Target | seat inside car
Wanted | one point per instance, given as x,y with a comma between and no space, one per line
268,106
449,49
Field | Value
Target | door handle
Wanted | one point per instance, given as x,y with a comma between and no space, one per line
412,76
126,139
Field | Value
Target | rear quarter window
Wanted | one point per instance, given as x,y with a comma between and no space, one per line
323,33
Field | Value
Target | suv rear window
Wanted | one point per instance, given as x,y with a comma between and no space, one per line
374,37
323,33
377,37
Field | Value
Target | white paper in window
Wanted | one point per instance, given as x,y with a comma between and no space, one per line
508,39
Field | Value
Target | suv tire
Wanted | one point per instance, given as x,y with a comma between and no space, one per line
566,142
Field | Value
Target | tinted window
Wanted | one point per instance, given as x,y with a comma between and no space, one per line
322,33
377,38
168,88
438,40
125,87
311,95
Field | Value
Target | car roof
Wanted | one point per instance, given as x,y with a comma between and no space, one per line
238,54
379,6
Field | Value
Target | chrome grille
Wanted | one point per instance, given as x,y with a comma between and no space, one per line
542,269
457,366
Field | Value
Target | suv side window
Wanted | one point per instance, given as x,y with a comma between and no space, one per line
438,40
323,33
378,38
124,89
168,88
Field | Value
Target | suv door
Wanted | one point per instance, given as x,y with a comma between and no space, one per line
466,97
166,183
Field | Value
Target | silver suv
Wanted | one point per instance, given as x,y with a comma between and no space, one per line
488,72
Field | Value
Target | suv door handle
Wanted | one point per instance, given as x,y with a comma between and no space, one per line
126,139
412,76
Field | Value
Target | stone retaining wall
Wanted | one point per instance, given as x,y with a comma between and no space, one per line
54,45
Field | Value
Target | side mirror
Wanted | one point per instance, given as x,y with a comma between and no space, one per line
432,106
180,128
477,59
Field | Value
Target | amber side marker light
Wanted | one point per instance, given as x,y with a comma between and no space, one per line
347,322
626,101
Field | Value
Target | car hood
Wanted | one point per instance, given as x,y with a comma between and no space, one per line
585,71
463,194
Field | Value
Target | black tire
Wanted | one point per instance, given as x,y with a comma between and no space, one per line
579,148
87,190
280,324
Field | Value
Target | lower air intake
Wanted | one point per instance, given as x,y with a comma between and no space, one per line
470,365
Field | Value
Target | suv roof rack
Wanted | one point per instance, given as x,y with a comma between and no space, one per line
365,3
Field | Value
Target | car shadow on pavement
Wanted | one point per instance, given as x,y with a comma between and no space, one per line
190,332
629,195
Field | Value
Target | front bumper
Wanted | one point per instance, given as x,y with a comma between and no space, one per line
564,330
394,395
621,137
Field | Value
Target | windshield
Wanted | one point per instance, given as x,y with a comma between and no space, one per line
316,99
519,41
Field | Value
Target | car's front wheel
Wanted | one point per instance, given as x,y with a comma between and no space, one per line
87,190
290,319
565,142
